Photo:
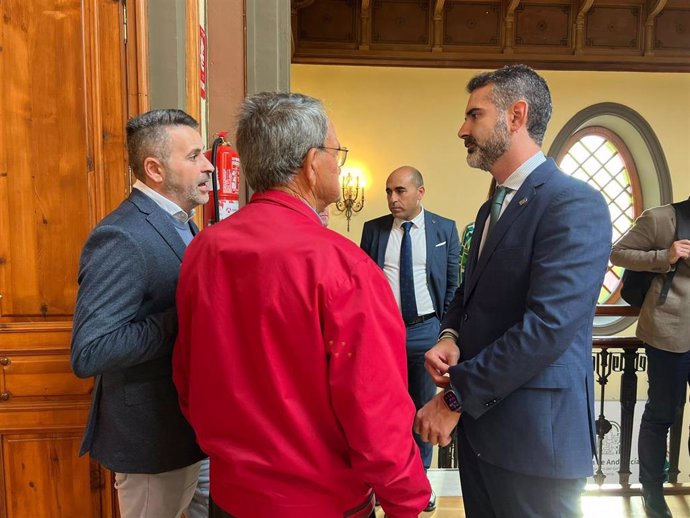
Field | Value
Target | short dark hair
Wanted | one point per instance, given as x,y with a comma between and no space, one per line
519,82
147,136
275,132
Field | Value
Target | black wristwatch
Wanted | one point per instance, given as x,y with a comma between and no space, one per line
452,399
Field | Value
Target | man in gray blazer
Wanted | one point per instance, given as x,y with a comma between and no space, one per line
125,322
433,278
651,245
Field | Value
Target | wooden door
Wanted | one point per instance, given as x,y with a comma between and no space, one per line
63,107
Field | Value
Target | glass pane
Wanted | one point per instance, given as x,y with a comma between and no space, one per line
596,160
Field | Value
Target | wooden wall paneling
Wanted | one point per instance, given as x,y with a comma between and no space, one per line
546,26
476,26
401,22
50,467
193,61
614,26
44,148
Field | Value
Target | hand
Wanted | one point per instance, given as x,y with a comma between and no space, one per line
435,422
679,250
439,359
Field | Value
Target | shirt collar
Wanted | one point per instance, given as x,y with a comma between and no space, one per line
164,203
518,177
417,221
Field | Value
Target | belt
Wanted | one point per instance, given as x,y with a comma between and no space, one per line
420,319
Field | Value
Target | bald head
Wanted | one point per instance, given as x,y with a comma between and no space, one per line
404,191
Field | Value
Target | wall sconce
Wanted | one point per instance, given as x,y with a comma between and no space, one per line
350,200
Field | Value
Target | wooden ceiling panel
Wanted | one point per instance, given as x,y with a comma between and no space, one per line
333,21
401,22
472,24
614,27
543,25
673,30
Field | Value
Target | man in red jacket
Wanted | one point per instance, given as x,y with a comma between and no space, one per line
290,357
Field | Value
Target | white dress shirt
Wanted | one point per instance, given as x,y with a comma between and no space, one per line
164,203
391,264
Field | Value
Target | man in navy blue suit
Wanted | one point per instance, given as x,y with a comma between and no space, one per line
423,290
514,354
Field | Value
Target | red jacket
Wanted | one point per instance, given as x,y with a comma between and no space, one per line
290,366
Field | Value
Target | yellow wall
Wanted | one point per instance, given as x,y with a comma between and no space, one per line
394,116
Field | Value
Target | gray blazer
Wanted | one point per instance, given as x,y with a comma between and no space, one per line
125,324
645,248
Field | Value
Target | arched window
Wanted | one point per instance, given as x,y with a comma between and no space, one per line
614,149
600,157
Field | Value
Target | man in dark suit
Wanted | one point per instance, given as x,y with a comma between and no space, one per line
125,322
425,290
514,354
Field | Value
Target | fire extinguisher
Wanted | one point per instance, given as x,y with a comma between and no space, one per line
225,198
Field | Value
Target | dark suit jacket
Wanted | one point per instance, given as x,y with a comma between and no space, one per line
442,254
524,317
125,326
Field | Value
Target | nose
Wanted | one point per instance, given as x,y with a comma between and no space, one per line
207,165
463,132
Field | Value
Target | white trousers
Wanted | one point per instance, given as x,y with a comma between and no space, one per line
160,495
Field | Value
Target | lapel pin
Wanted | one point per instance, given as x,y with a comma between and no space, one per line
522,202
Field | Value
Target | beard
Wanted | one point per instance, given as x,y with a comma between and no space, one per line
484,155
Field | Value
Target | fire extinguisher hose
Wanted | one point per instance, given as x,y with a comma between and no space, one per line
214,179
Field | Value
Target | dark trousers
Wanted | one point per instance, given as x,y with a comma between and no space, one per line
668,375
492,492
421,338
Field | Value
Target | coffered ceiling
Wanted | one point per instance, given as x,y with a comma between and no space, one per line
646,35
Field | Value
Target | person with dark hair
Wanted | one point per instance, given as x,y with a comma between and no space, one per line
656,243
514,353
289,360
418,252
125,320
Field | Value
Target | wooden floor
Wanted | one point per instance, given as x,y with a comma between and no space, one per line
592,507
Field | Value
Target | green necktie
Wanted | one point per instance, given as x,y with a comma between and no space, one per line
496,204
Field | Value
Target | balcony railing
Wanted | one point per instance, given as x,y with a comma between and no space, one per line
614,356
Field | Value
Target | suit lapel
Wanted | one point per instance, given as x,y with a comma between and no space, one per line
160,221
432,239
519,204
384,234
480,222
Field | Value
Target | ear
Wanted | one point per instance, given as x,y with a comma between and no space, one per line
517,115
422,190
154,170
309,166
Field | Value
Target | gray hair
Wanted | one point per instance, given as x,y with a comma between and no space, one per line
513,83
275,132
147,136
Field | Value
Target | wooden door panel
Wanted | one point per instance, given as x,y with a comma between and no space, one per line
57,138
43,152
44,477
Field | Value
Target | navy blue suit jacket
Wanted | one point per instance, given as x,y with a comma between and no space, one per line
442,254
524,317
125,325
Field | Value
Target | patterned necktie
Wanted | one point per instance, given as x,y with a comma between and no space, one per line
408,302
496,205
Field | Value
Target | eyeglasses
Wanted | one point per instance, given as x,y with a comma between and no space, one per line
341,154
